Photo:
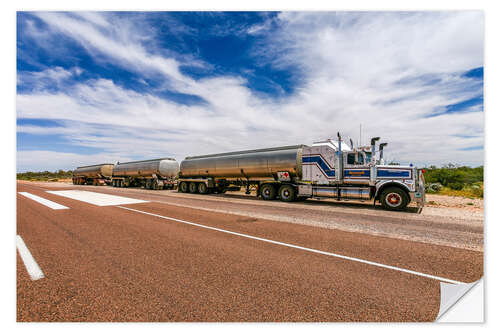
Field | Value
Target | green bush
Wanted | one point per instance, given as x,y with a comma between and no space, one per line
44,175
477,190
456,186
433,187
455,180
453,174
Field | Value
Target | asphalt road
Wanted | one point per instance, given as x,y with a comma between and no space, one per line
160,261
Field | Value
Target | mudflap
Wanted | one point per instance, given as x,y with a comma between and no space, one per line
420,203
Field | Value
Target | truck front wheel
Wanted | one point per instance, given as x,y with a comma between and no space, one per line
394,198
268,192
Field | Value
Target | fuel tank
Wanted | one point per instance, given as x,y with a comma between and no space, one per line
164,167
255,164
94,171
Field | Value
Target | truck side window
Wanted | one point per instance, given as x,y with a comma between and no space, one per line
351,159
360,159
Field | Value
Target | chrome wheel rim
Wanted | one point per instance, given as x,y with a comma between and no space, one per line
393,199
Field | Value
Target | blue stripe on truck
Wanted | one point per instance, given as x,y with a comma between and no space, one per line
393,173
322,164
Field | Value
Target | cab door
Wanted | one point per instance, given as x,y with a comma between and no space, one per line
355,172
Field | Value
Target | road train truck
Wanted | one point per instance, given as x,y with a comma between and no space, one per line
99,174
156,174
326,169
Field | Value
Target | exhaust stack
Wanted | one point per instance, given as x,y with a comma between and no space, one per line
373,162
373,141
381,152
339,172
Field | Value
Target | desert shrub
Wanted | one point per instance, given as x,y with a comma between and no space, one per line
44,175
436,187
456,186
433,187
477,189
451,173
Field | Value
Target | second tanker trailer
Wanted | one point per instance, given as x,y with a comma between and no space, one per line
154,174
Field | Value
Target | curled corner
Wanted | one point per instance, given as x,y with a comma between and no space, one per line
451,294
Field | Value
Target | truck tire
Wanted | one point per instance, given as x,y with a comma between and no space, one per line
287,193
394,198
268,192
193,187
202,188
183,187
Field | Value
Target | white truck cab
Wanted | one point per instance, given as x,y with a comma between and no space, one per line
337,170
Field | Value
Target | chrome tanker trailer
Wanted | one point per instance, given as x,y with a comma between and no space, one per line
219,172
99,174
154,174
326,169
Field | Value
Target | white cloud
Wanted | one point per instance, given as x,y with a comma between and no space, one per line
368,68
48,78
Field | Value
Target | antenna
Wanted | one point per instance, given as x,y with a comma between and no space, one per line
359,145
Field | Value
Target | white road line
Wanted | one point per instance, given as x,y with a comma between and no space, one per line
29,262
48,203
95,198
302,248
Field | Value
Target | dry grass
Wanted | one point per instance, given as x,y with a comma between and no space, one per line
466,192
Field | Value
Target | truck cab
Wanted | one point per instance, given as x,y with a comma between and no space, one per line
338,170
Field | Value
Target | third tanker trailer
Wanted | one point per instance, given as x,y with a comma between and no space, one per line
154,174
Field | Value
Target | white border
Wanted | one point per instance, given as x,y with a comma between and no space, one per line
492,137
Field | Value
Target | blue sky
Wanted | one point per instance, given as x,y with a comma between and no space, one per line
104,87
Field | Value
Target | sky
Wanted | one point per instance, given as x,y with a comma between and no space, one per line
102,87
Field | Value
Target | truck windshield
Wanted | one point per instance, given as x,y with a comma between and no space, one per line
368,157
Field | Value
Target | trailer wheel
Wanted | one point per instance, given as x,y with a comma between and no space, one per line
202,188
268,192
287,193
183,187
394,198
193,187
